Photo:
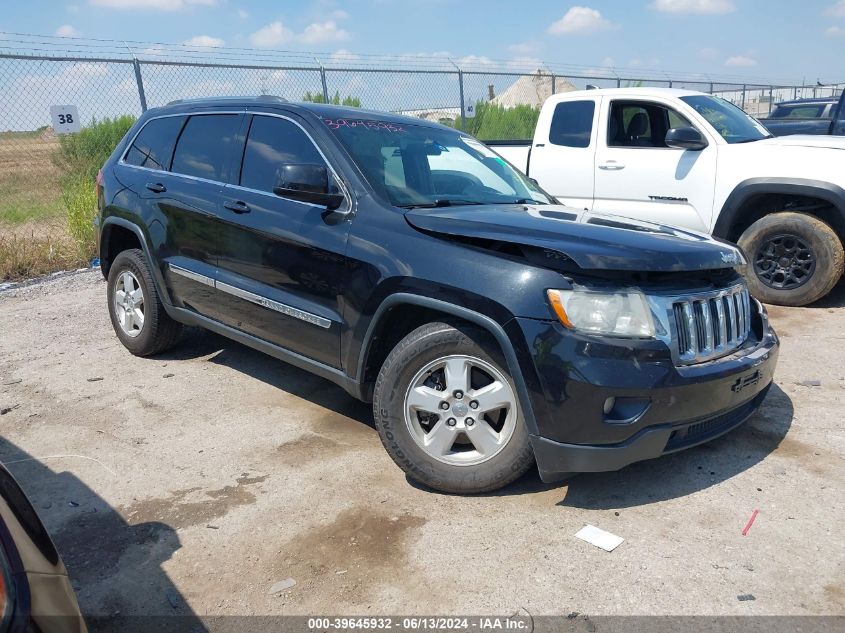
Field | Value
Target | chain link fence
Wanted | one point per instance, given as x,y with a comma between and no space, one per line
493,104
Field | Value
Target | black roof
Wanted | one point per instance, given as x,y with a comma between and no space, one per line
322,110
811,101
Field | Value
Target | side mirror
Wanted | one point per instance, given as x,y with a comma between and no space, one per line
306,183
685,138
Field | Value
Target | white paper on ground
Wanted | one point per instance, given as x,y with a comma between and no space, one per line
600,538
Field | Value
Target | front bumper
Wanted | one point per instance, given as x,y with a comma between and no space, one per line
659,408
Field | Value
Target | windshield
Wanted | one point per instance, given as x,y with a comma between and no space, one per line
731,122
422,166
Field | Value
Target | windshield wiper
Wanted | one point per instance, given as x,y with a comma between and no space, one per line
439,202
525,201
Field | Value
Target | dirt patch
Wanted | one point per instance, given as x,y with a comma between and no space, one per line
178,512
351,554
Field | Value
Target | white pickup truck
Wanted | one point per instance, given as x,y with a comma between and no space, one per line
692,160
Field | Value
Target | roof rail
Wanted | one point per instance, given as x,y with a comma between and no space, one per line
273,98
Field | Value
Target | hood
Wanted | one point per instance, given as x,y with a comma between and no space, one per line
806,140
592,241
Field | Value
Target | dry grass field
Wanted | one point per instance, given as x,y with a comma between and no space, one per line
34,237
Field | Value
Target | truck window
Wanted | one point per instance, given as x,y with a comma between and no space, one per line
572,124
640,124
204,145
272,142
153,147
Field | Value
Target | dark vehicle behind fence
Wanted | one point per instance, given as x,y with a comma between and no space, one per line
405,261
807,116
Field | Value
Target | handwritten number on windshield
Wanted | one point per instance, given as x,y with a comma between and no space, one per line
335,124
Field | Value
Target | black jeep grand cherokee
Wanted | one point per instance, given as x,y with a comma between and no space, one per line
408,263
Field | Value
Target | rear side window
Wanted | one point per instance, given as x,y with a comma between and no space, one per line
153,147
572,124
205,146
271,143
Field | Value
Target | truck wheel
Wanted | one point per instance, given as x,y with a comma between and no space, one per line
447,412
138,318
793,258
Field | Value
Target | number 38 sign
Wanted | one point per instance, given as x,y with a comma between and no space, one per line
65,119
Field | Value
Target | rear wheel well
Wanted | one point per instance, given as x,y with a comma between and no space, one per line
116,239
762,204
394,325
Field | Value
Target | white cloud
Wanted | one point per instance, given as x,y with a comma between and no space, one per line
835,31
66,30
338,14
837,10
708,53
204,40
277,34
473,61
522,48
274,34
580,20
242,14
159,5
740,60
343,55
320,32
694,6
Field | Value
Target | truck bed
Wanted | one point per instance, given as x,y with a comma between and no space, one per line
515,152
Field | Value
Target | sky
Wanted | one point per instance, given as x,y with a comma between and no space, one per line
784,41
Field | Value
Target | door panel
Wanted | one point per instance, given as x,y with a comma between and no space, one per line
562,160
637,176
190,208
281,263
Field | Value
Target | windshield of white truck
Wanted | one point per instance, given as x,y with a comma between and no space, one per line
422,166
731,122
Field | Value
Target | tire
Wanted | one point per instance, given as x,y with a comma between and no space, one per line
793,258
489,450
155,332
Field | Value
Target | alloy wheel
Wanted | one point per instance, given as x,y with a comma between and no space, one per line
460,410
129,304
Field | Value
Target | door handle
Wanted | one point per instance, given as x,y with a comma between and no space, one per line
237,206
612,165
156,187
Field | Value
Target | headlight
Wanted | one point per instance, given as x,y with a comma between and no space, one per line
607,313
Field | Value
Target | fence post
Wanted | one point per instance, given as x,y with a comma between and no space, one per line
618,82
554,84
141,95
461,88
771,98
711,87
743,96
670,83
325,85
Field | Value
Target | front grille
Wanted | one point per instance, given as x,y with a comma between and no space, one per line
712,325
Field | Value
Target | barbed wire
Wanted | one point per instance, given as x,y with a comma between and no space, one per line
18,43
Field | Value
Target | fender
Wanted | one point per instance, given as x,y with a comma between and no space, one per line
743,192
158,278
481,320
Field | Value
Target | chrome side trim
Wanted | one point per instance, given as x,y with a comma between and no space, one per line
190,274
264,302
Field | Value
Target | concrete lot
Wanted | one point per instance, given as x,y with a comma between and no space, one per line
193,482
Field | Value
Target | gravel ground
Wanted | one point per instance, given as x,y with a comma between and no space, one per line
193,482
